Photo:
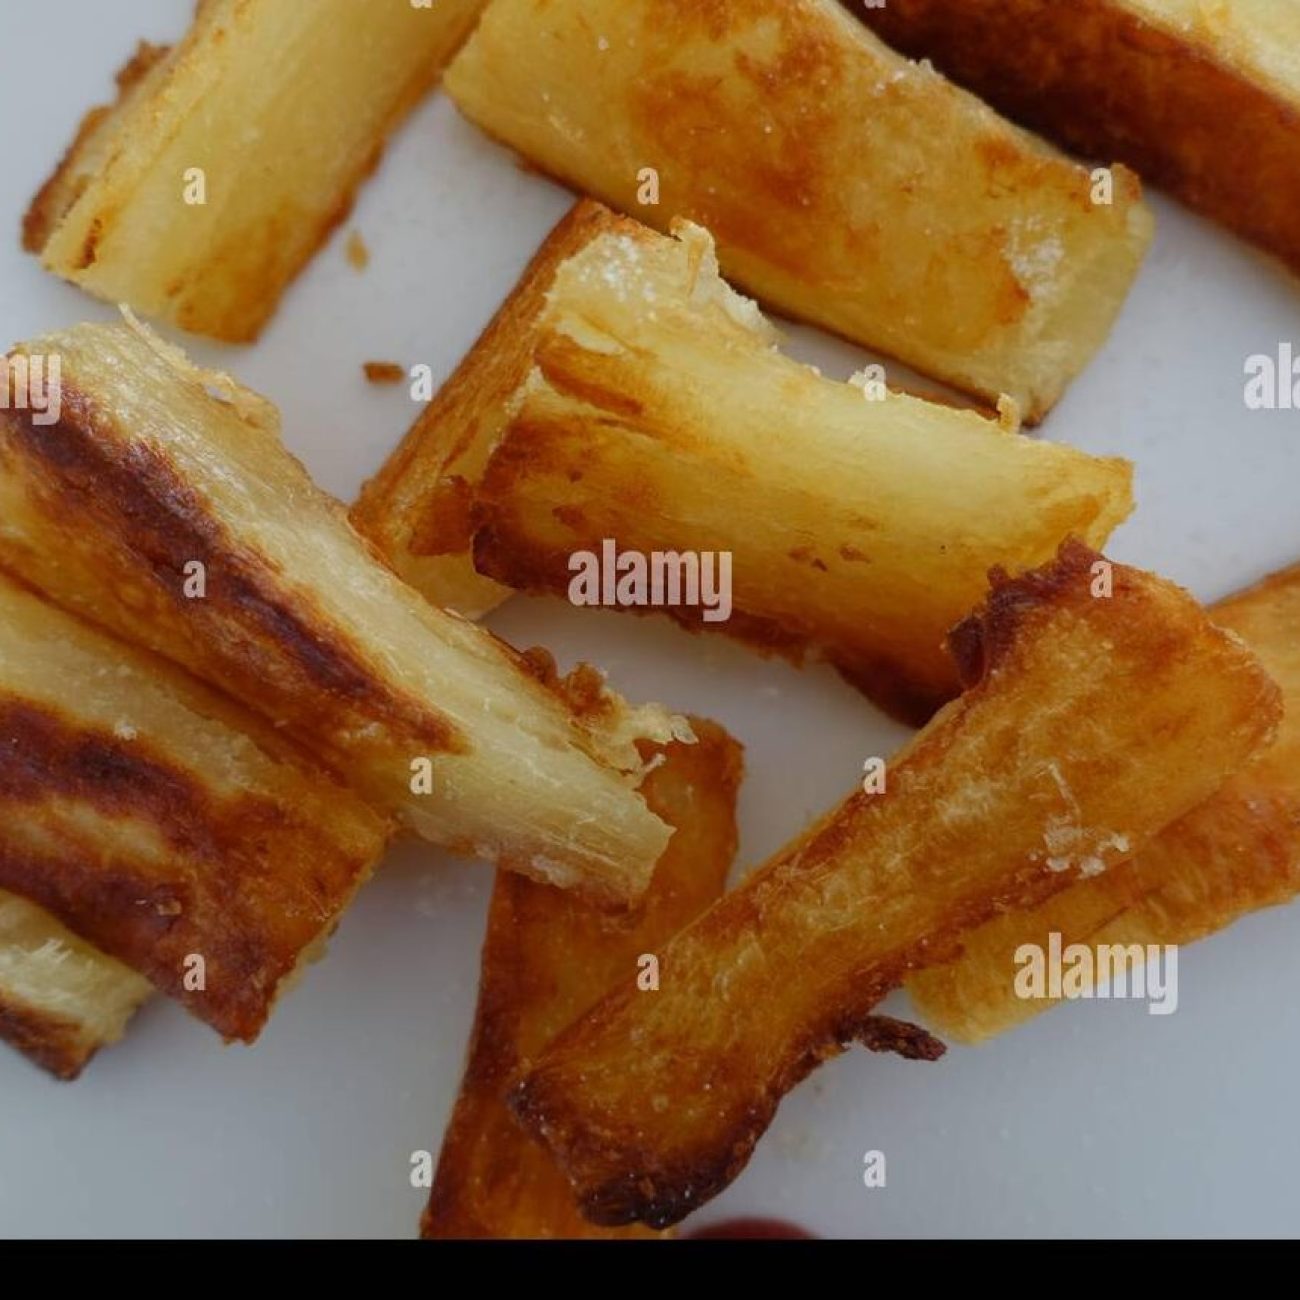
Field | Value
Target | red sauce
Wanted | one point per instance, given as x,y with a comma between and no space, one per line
749,1230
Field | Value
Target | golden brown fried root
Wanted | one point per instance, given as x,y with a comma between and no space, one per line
658,415
845,185
60,999
161,823
1203,99
224,165
1237,852
1039,772
547,958
162,504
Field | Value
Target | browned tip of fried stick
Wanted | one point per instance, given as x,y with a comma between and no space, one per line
58,1046
1083,681
981,641
548,956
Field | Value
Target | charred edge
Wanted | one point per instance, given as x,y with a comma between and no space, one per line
650,1195
911,1042
164,524
57,1045
655,1196
583,691
885,682
983,640
889,686
147,923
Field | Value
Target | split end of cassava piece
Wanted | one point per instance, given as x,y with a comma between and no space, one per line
61,1000
1102,704
627,404
158,500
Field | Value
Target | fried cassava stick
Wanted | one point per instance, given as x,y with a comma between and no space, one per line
165,825
547,957
845,185
228,160
1040,772
1237,852
162,504
61,999
626,393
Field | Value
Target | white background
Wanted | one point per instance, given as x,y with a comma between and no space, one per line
1096,1119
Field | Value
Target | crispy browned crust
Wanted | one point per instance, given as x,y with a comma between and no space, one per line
1036,773
1104,81
68,179
151,525
154,468
1238,852
547,958
54,1043
249,883
417,506
633,433
211,836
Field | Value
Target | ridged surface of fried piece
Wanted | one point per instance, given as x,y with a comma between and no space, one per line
547,958
1040,772
61,1000
1203,98
161,822
1236,853
155,467
845,186
283,107
660,415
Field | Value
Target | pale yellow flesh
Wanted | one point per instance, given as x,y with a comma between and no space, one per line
667,419
48,973
846,186
284,106
530,784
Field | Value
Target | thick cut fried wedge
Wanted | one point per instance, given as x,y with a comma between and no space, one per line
547,958
162,504
227,161
845,185
1040,772
161,823
1201,96
60,999
1236,853
659,415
